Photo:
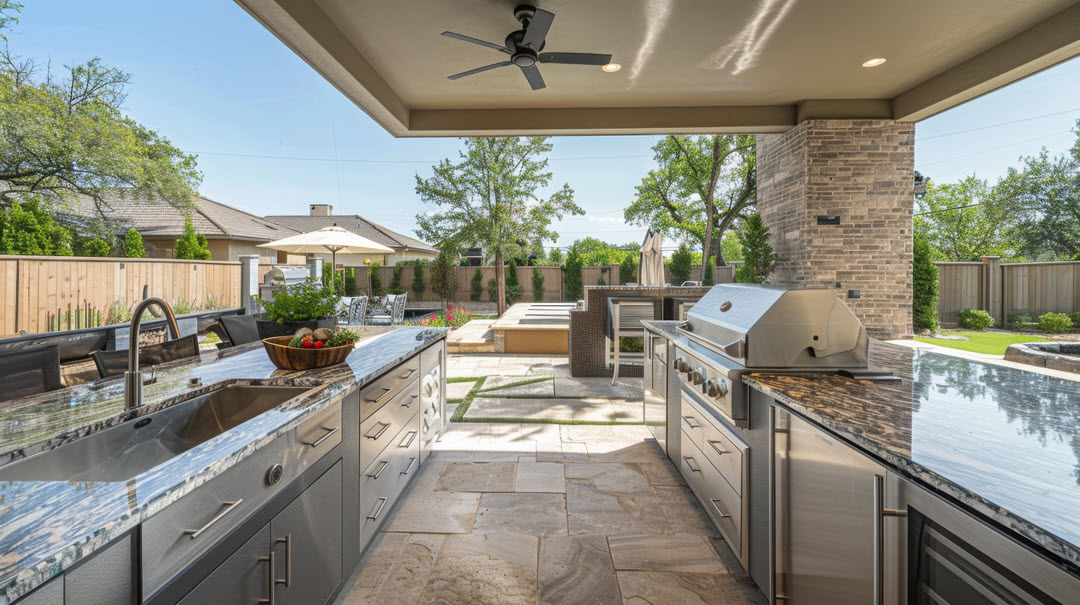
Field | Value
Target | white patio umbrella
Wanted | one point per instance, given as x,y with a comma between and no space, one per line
328,239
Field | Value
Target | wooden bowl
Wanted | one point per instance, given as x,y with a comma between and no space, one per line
292,358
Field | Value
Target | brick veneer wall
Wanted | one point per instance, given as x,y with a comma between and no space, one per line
861,171
588,327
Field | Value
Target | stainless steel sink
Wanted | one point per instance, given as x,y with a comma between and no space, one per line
134,447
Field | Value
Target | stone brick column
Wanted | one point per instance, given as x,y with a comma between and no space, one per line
837,198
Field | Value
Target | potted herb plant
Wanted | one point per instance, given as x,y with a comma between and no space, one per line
305,305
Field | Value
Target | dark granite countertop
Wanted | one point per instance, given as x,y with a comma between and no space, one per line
46,526
1003,442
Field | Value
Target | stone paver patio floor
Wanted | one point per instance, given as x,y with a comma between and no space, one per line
535,513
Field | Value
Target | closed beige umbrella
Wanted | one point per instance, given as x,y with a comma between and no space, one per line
651,269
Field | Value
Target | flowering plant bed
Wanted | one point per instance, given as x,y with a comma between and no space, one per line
452,318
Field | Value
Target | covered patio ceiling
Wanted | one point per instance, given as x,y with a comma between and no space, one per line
718,66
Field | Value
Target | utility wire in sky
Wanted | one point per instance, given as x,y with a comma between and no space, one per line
949,134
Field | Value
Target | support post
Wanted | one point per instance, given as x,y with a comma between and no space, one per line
992,281
315,268
249,280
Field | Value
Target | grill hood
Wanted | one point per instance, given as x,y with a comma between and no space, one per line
770,327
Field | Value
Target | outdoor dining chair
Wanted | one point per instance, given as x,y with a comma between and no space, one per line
341,310
624,321
241,329
26,373
388,310
111,363
357,311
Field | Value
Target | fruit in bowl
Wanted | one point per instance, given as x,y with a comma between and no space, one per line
308,349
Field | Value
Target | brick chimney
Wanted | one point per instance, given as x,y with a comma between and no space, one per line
321,210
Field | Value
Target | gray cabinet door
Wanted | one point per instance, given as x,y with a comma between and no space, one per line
106,578
307,543
243,579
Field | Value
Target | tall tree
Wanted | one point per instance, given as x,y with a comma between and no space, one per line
490,198
959,222
1043,197
703,184
758,256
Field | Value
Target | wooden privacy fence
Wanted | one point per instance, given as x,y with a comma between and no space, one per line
35,288
1001,288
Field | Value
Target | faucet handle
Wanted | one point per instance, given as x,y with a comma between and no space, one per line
153,376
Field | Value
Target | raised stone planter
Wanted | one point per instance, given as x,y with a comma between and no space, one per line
1063,356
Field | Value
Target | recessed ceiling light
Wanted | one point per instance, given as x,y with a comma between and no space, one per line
873,62
611,67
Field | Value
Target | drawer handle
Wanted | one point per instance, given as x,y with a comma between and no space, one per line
288,560
407,374
691,421
330,432
719,511
375,475
408,403
229,506
378,510
409,438
270,575
717,448
385,425
408,469
385,390
692,464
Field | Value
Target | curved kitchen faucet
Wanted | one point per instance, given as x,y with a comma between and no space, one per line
133,378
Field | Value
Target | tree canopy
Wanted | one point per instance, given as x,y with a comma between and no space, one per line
959,222
701,186
490,198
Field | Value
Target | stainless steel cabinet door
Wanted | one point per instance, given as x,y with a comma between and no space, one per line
243,579
307,543
655,401
824,515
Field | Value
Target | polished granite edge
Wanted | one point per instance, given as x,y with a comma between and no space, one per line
38,535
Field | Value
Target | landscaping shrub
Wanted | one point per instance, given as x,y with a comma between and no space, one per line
332,278
307,301
758,256
191,246
628,270
443,276
350,281
538,284
418,282
631,345
476,286
575,289
133,244
924,295
681,263
1017,322
26,228
555,257
514,293
96,247
974,319
709,278
493,290
600,281
1054,323
376,282
1075,318
511,277
394,287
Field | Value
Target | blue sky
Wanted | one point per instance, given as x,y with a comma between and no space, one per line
210,78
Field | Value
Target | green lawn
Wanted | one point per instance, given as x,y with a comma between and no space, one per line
993,343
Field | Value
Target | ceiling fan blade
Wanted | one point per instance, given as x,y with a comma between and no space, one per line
478,70
537,29
532,74
491,45
575,58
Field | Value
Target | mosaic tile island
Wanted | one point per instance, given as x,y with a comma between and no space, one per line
47,526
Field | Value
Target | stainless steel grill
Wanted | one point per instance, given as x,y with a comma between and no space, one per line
280,277
738,328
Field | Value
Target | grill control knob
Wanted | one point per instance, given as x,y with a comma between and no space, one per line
716,387
678,364
699,375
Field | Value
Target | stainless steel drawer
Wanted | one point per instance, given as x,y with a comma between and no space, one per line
692,421
177,535
723,505
379,429
382,390
382,481
726,452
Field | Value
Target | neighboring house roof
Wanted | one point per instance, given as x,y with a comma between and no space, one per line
358,225
156,218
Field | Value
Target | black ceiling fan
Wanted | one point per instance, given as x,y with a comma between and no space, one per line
524,46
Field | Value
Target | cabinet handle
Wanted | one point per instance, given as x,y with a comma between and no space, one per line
408,470
385,390
691,421
880,512
288,560
408,403
378,510
692,464
319,441
385,425
269,600
229,506
719,511
409,438
717,448
385,463
407,374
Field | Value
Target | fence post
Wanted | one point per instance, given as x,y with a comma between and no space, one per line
315,269
992,269
249,279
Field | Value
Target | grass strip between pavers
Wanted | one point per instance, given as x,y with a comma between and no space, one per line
546,421
519,383
463,406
